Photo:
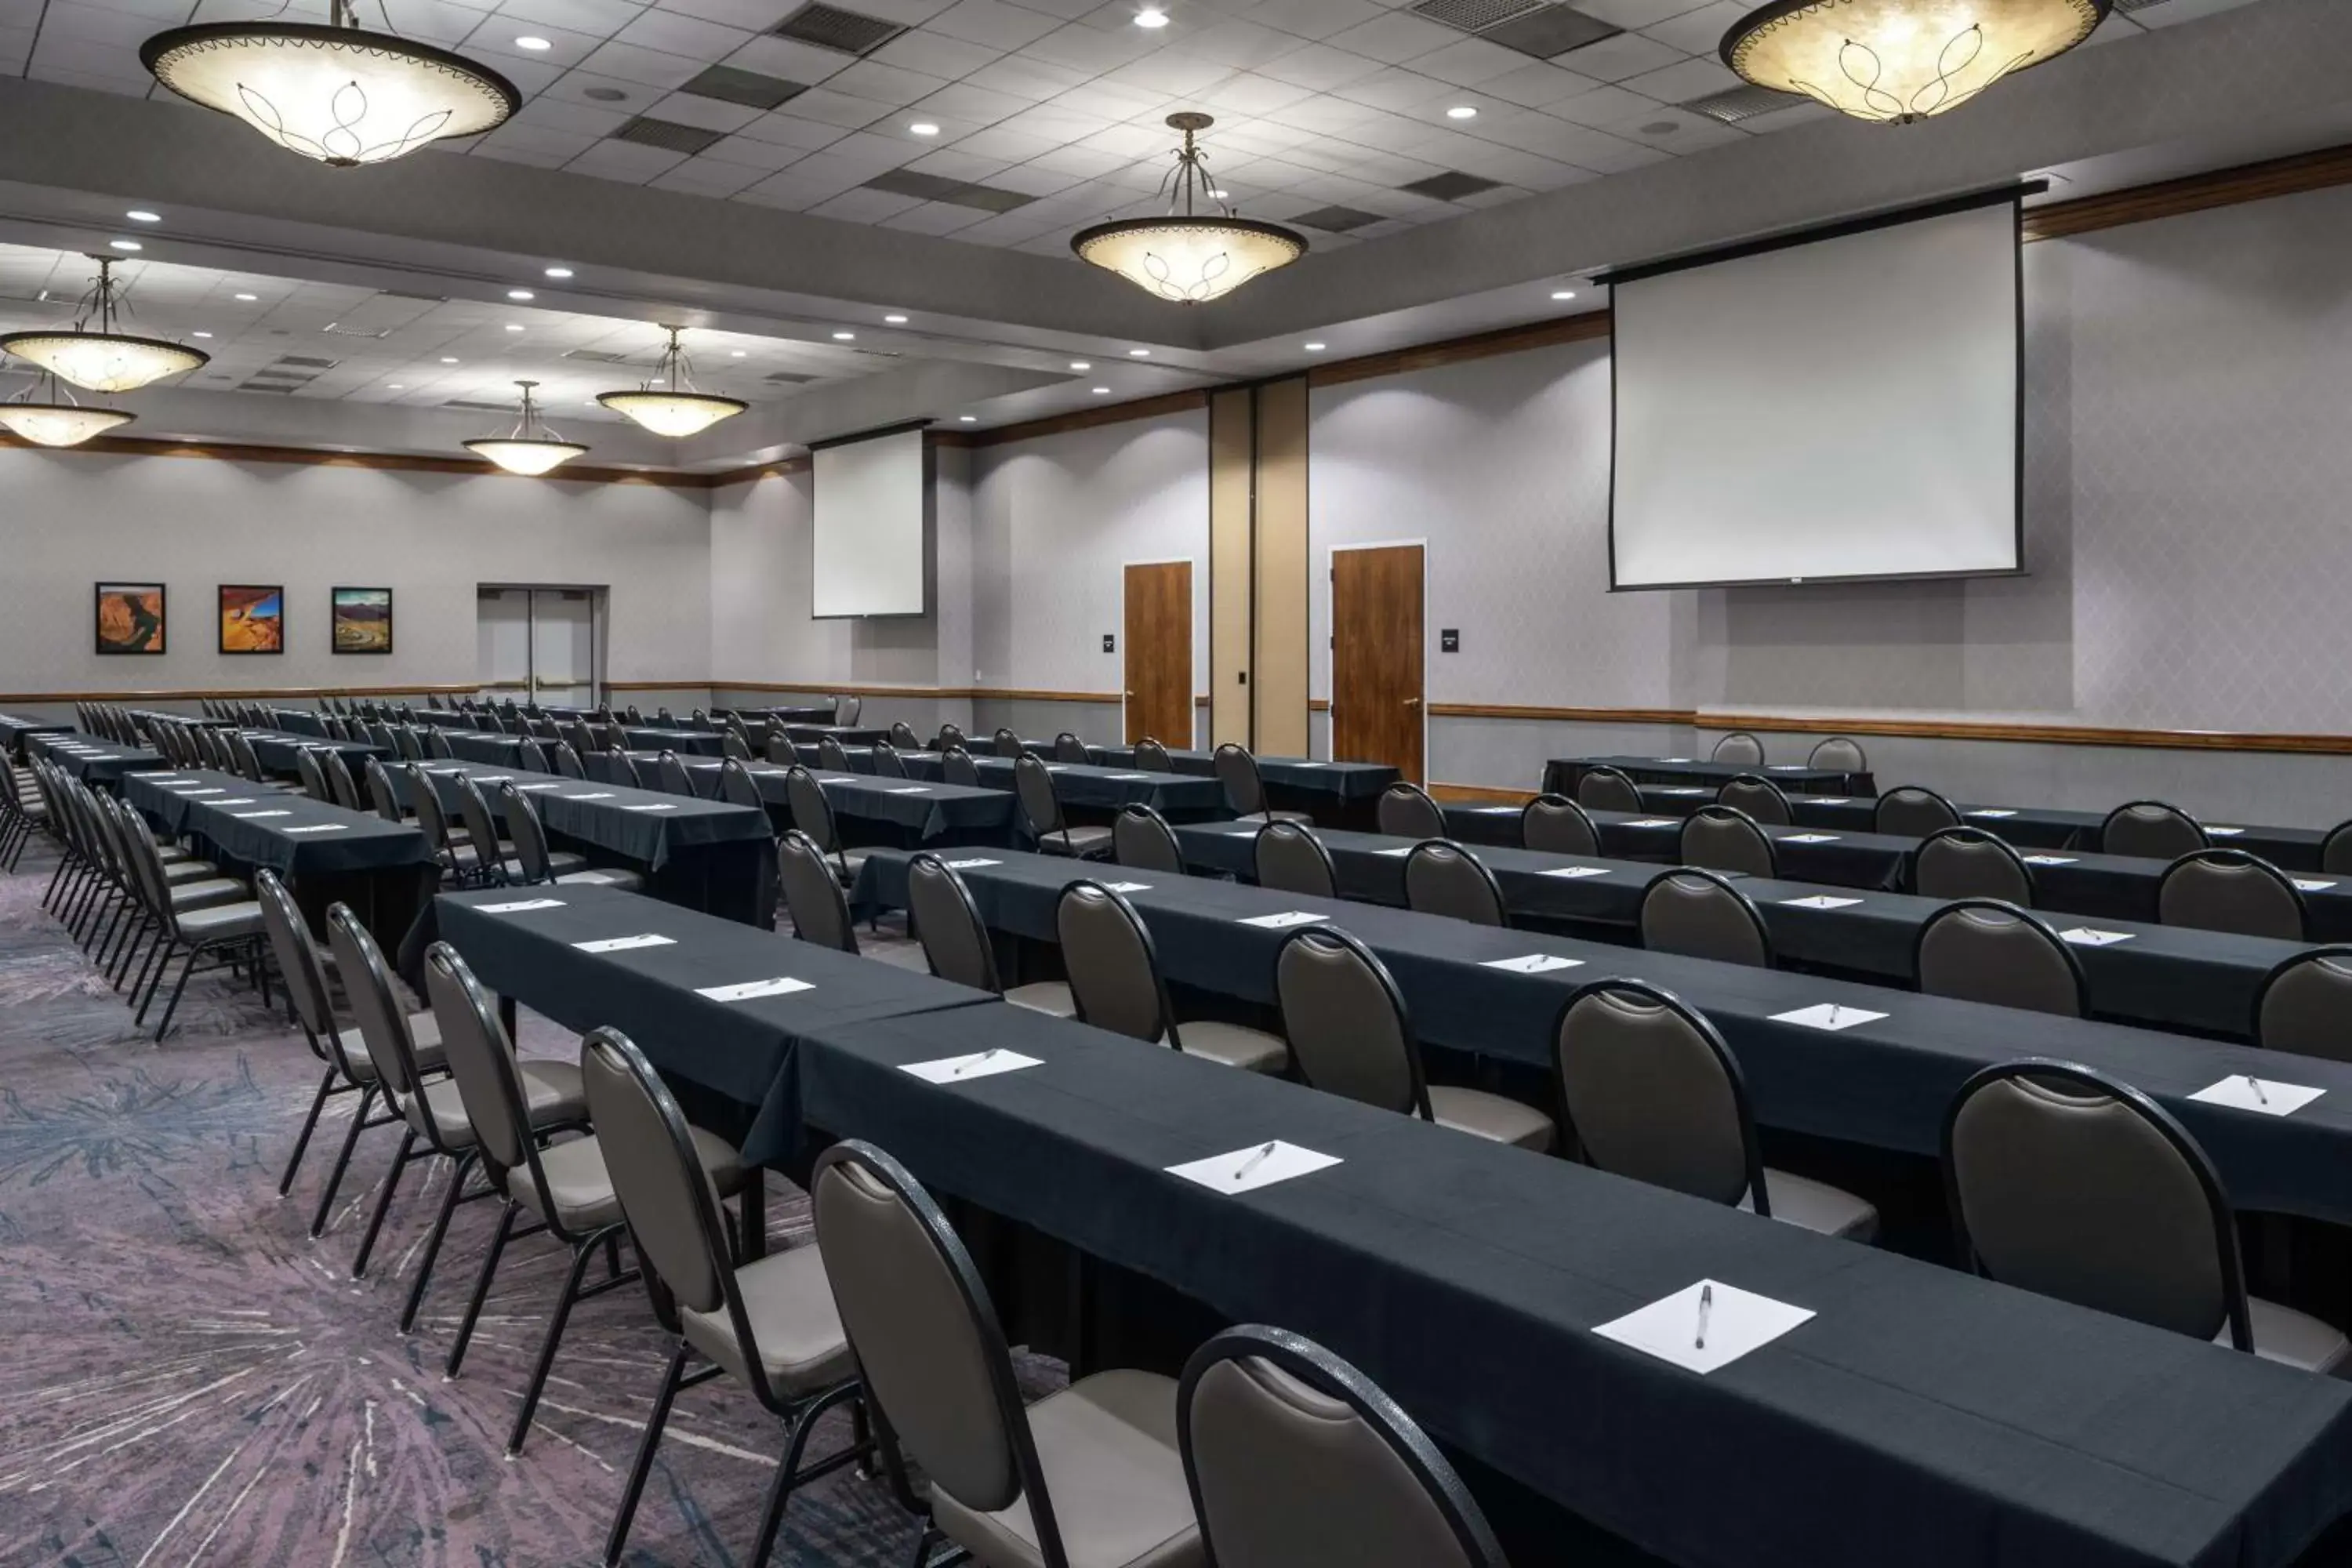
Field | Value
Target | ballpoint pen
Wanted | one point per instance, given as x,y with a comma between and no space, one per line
980,1060
2256,1085
1253,1163
1705,1305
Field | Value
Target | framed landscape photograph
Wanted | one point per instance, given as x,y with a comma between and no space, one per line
252,620
130,617
362,620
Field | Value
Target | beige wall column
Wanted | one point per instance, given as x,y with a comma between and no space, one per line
1278,671
1232,447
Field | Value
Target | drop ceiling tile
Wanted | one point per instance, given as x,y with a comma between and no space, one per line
1054,124
977,105
787,191
1017,76
1325,115
1601,106
906,13
1785,119
1006,229
753,16
1676,131
954,164
768,156
1633,14
828,106
605,16
26,13
530,76
993,23
1314,18
1536,86
1031,180
1394,38
1237,43
790,59
1112,99
783,131
1089,49
935,217
706,113
1699,32
707,176
1005,146
1320,67
1086,163
824,168
624,161
1167,72
1681,83
1614,60
874,151
594,91
862,205
515,134
884,84
1470,62
556,114
674,34
119,29
935,53
649,66
1246,92
515,154
1396,90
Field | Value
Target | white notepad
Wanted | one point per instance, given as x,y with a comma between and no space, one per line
598,794
157,778
2086,936
655,805
1788,767
1259,1165
238,800
1736,1323
1809,838
971,864
2049,859
249,815
1685,789
519,906
1656,822
1992,811
912,789
494,778
1399,853
1820,901
321,828
1127,887
2264,1096
2311,885
1130,776
1533,964
621,944
1284,921
1298,765
532,787
191,794
1503,810
961,1069
1825,800
2223,832
1830,1015
783,985
1573,873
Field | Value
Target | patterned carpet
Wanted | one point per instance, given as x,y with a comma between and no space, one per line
190,1380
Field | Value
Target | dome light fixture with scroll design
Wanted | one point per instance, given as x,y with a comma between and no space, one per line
45,414
668,404
1189,257
100,358
1896,61
531,448
338,94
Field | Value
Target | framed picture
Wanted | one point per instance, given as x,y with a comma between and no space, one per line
362,620
252,620
130,617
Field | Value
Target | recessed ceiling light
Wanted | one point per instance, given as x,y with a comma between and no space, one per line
845,337
520,294
739,354
139,214
514,326
923,128
204,335
1151,18
1462,111
126,244
447,359
1315,348
893,321
1139,353
1216,195
394,385
558,272
1563,293
967,418
1102,390
248,298
534,44
1082,365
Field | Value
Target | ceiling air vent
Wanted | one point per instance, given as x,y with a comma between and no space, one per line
270,385
403,294
831,27
787,378
1734,104
1472,15
936,188
307,362
1336,219
2128,7
666,135
602,356
1549,31
340,330
749,88
1451,187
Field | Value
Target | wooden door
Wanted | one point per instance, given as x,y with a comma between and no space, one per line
1377,657
1159,653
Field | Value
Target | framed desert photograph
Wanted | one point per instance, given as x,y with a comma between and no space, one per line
252,620
362,620
130,617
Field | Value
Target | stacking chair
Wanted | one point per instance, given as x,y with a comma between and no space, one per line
1556,825
450,850
1741,749
1726,838
2150,829
847,709
577,736
738,787
530,757
1068,748
1608,789
956,942
1967,863
1286,857
1648,1089
813,814
341,788
1440,878
903,736
950,735
1150,756
2065,1182
1041,813
1245,790
487,852
832,755
1701,914
1351,1036
1295,1457
564,1187
407,745
1841,752
247,764
670,775
23,812
1405,811
437,744
1114,978
229,933
813,893
737,745
1141,839
2336,850
1913,811
1758,796
1007,743
622,767
2231,890
779,747
1982,949
771,1322
567,761
2305,1005
957,767
1088,1477
887,762
532,864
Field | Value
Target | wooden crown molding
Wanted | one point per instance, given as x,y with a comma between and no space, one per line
2040,735
2289,176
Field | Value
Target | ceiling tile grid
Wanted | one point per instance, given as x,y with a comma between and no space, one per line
1049,114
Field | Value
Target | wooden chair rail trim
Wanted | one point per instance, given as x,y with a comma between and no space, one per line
855,688
1556,715
2048,734
241,694
1484,794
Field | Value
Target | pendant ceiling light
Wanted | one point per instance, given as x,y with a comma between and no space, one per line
56,420
675,410
104,360
531,448
1187,257
1899,60
339,93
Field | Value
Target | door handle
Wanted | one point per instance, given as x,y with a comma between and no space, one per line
1412,702
1130,696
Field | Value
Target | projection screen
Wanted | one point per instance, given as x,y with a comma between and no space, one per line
1834,406
870,554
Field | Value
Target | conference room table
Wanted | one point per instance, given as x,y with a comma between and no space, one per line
1560,773
93,760
279,752
848,734
1327,791
1881,1074
324,853
2166,977
1083,786
756,717
685,743
870,810
705,855
1915,1416
14,729
441,719
482,746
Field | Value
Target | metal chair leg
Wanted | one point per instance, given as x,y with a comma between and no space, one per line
342,1162
780,1490
481,1288
309,1125
644,1463
580,1252
400,1158
424,1260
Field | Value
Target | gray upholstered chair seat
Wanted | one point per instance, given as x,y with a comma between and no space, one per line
2296,1338
846,865
1107,1445
552,1093
1048,996
563,863
1086,842
217,923
1495,1117
1235,1046
209,892
788,1301
1278,816
424,1030
187,870
603,877
469,854
1817,1206
580,1195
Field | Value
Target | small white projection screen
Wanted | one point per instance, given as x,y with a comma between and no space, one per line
1835,407
870,539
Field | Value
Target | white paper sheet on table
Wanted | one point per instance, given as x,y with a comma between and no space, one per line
1399,853
2272,1098
2049,859
1820,901
1809,838
971,864
1127,887
1991,811
191,794
1656,822
322,827
250,816
1685,789
654,805
1259,1165
519,906
1830,1015
1737,1323
2223,832
1573,873
239,800
783,985
621,944
594,795
1533,964
2086,936
1819,799
963,1069
1500,810
1130,775
533,786
1284,921
2311,885
912,789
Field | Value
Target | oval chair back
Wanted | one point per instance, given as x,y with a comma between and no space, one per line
1653,1093
1725,838
2305,1005
531,864
1839,753
1982,949
1701,914
957,767
1555,825
1114,973
1405,811
1739,748
1142,840
1287,859
887,762
813,813
670,775
1040,801
382,795
1346,1022
1758,796
903,736
1969,863
1608,789
1440,878
481,830
1068,748
813,893
1008,744
1151,757
1237,771
738,787
1913,811
831,755
2152,829
2231,890
947,922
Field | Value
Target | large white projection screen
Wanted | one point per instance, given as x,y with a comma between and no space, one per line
870,507
1839,407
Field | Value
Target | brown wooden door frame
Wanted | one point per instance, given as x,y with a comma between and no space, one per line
1189,735
1330,628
